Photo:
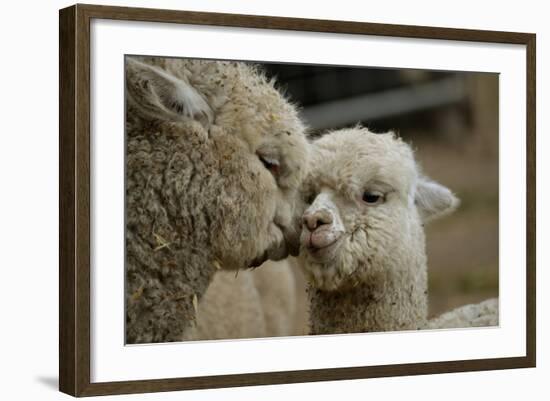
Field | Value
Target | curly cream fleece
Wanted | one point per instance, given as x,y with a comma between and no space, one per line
374,277
199,193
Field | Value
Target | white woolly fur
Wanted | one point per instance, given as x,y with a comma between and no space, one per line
215,157
372,274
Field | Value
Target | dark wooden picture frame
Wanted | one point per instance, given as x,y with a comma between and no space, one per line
74,202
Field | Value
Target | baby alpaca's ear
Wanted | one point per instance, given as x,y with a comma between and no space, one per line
434,200
159,94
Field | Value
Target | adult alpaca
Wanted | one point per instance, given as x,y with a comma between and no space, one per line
215,156
362,240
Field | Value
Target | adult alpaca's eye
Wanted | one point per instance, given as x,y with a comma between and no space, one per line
373,197
270,163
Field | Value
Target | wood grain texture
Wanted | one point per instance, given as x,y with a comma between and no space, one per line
82,161
67,131
301,376
74,206
301,24
74,198
531,228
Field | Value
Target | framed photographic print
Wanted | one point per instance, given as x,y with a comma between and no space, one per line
250,200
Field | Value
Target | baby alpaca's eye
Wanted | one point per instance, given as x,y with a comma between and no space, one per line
373,197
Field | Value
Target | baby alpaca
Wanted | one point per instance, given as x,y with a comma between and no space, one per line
362,241
215,156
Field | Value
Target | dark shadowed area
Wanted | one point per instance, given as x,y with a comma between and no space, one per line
451,118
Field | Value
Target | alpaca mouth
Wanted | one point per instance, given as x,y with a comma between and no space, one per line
320,238
322,250
277,253
316,248
291,239
280,249
258,260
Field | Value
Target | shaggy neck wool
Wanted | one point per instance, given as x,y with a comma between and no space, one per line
168,263
375,279
392,299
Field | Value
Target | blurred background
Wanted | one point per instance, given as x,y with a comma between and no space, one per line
451,119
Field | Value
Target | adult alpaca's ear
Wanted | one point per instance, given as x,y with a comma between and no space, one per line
433,200
159,94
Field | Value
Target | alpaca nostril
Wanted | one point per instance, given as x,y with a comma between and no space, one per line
319,218
308,222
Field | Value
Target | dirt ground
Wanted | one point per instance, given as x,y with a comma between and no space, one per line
463,248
